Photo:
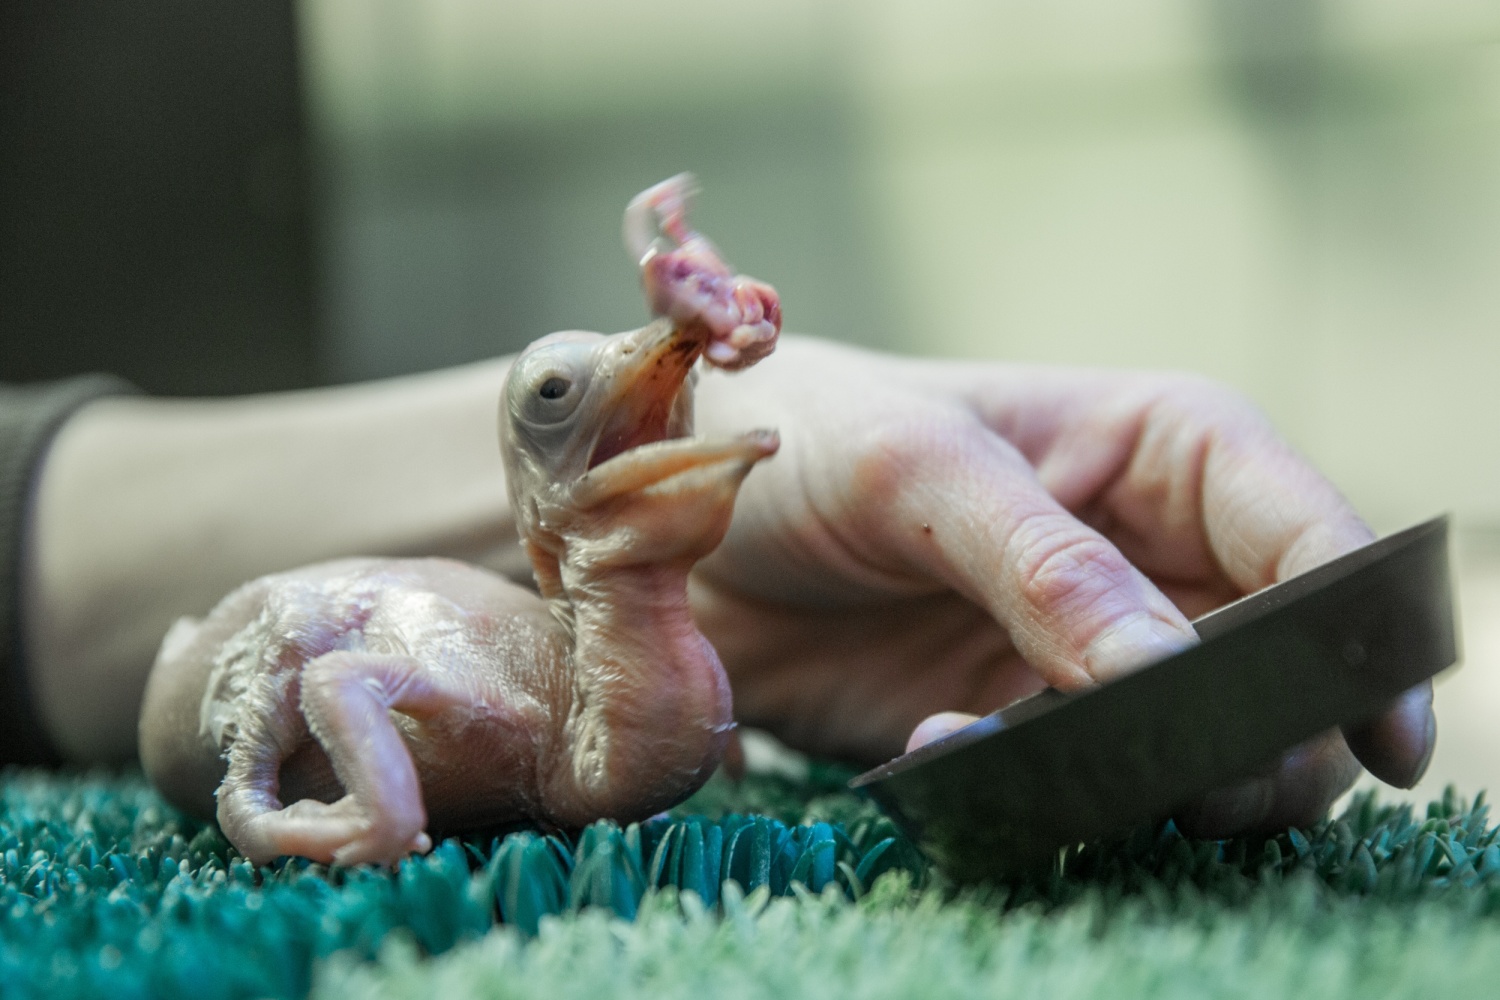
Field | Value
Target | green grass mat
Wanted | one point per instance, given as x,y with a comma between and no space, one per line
1286,944
106,891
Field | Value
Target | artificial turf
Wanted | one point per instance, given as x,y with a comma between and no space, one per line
770,888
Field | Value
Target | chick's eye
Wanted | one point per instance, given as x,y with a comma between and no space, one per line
549,383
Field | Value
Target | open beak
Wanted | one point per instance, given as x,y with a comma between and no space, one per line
647,372
645,437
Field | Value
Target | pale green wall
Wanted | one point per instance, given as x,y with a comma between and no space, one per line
1300,198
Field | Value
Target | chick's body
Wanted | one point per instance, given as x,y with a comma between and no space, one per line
381,697
472,631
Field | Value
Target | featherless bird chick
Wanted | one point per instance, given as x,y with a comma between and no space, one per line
345,710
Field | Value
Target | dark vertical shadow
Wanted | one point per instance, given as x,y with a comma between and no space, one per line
153,216
1271,54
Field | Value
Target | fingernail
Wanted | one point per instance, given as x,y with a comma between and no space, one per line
1430,737
1134,643
935,727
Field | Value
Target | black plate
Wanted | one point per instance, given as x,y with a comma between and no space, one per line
1329,648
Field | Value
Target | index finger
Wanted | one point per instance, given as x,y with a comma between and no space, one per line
1187,476
1268,516
1192,483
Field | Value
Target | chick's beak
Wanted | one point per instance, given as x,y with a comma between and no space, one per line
644,442
646,369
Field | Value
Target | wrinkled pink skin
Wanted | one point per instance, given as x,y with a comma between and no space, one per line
383,698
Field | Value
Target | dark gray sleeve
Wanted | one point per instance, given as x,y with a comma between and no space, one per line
29,416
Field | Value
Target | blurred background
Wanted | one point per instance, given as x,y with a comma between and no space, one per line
1298,197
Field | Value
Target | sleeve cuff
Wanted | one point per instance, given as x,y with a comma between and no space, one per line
29,417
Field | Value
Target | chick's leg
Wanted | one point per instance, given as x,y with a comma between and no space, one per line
249,809
346,701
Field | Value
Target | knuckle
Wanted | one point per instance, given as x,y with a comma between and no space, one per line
1060,565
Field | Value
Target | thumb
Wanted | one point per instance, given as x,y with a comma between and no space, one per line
1074,606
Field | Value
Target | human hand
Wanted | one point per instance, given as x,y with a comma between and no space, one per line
947,537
